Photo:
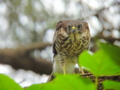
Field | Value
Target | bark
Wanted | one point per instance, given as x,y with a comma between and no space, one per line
21,58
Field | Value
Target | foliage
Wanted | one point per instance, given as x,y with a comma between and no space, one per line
7,83
26,21
66,83
111,85
104,62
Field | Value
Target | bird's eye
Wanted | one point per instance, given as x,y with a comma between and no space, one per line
69,26
79,26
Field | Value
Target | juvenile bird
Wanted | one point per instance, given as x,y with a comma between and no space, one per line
71,38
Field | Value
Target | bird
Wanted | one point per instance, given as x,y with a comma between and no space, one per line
70,39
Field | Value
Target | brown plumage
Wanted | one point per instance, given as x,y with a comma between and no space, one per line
70,39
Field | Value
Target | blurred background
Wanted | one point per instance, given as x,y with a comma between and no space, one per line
27,28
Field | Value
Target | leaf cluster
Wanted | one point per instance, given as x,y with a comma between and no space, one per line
105,62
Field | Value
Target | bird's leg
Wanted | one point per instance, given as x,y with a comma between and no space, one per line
63,63
81,69
63,66
64,69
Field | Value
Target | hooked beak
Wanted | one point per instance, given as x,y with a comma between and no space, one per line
73,29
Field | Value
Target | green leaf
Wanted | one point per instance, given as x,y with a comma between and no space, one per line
101,63
45,86
111,85
65,82
113,51
88,61
6,83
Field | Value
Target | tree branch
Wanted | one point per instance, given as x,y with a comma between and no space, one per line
20,58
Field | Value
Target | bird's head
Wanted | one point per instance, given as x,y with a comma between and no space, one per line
75,27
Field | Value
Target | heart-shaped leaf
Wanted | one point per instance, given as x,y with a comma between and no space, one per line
6,83
103,62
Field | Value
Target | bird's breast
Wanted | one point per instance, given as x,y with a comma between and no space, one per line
72,45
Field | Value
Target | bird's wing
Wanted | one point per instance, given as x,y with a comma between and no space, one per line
61,25
58,26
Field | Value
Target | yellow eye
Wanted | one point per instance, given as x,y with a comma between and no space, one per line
79,26
69,26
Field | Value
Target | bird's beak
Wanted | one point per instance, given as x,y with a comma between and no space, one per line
73,29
